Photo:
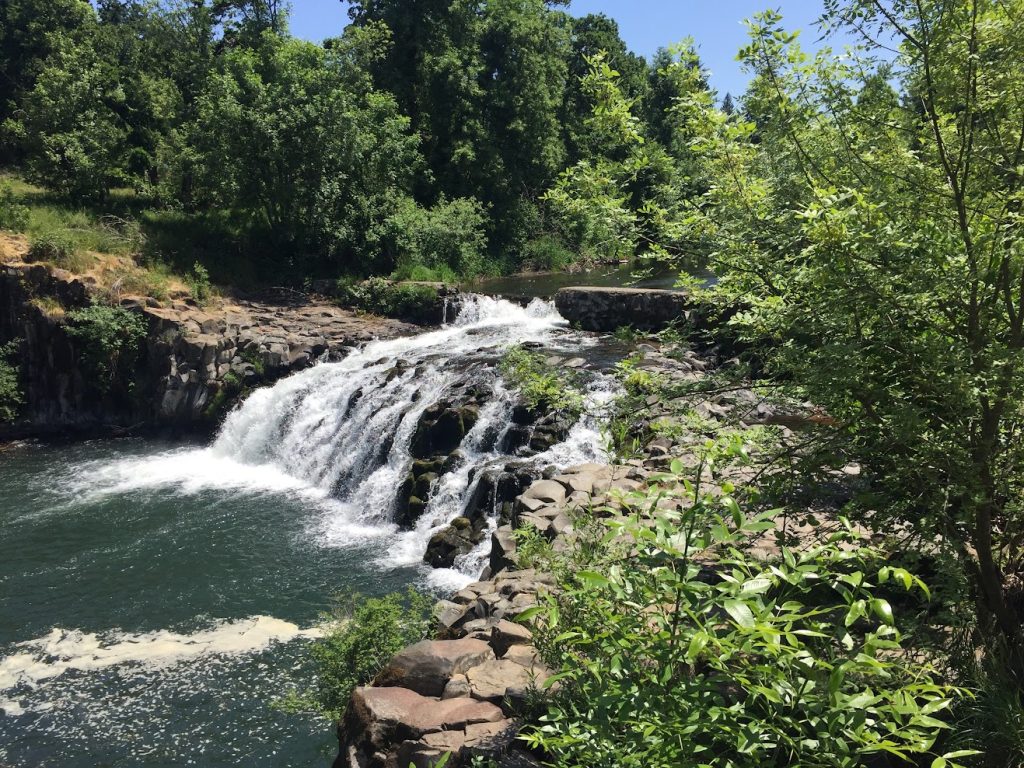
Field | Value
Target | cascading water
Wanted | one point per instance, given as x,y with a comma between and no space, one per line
345,429
145,580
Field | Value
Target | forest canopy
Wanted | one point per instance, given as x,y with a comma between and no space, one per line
413,143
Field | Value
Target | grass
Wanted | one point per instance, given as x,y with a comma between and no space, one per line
117,243
49,306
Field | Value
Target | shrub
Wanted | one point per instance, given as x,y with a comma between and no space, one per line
109,340
13,215
11,397
198,281
541,386
447,239
547,253
56,247
691,651
417,303
364,635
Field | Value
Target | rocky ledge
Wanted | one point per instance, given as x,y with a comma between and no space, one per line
605,309
193,364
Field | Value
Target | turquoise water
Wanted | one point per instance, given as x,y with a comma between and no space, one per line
161,619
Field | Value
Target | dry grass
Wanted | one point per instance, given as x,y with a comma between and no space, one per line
112,276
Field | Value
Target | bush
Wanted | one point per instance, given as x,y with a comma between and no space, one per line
198,282
416,303
447,239
13,215
364,635
679,648
11,397
547,253
109,340
541,386
56,247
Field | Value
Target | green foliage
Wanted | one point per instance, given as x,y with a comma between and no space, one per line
56,247
873,235
364,634
258,119
198,282
547,253
795,660
108,341
446,240
13,215
541,386
11,396
408,301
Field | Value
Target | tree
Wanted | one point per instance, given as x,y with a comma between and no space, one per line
591,35
877,239
258,123
30,33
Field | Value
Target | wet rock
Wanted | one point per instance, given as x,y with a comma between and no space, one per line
446,545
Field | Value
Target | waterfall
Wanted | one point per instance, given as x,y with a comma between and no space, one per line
341,433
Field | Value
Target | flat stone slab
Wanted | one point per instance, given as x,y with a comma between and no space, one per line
427,666
388,715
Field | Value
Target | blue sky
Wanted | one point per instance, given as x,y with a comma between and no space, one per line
717,26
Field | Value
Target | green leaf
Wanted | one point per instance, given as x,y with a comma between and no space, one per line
593,578
740,613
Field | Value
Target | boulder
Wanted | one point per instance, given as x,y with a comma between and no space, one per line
546,491
427,666
382,717
504,680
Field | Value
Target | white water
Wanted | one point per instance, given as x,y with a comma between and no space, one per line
339,434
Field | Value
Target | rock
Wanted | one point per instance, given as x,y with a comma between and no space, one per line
385,716
505,634
546,491
604,309
457,687
446,545
504,680
427,666
503,550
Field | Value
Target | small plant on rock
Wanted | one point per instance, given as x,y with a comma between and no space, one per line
109,340
11,397
542,386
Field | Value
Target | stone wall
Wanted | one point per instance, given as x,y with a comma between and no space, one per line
605,309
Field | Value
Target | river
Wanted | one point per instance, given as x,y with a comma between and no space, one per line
156,598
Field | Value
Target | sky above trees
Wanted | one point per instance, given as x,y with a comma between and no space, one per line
645,25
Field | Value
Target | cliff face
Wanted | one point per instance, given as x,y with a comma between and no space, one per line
192,365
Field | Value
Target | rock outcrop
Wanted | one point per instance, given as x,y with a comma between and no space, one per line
191,367
605,309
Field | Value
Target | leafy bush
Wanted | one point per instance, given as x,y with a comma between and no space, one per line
541,386
198,281
692,651
448,238
109,339
56,247
547,253
11,397
417,303
13,215
364,635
